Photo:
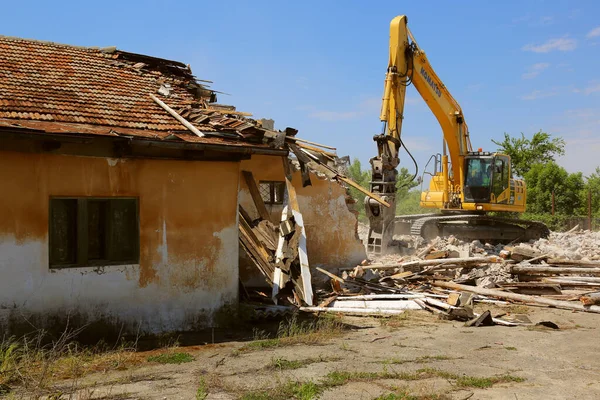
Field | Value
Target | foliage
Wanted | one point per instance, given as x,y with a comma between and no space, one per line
172,358
593,185
202,391
407,201
525,153
543,179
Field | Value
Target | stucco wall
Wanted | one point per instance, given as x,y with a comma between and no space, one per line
330,226
188,266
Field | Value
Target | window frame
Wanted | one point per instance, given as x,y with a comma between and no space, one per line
272,188
81,233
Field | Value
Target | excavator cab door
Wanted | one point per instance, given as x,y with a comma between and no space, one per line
501,179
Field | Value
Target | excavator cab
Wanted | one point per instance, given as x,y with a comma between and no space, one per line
487,178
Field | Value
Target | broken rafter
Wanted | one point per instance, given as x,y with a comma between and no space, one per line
178,117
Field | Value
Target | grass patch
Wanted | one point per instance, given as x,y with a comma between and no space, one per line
284,364
422,360
339,378
483,383
404,394
202,391
171,358
407,318
293,331
289,390
34,363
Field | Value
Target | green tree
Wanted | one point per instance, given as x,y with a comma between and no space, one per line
525,152
404,183
593,184
569,189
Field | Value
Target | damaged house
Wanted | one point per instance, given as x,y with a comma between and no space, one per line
123,183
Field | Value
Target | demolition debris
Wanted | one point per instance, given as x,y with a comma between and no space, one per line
447,276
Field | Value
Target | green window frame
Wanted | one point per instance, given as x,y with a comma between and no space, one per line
93,231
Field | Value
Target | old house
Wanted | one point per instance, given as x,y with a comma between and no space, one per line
113,212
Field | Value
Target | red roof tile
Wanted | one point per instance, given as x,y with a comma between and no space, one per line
54,82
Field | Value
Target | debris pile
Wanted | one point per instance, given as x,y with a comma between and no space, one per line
447,275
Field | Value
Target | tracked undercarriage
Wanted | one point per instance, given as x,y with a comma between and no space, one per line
471,227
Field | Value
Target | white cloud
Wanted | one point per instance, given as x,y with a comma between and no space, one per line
593,87
534,70
593,33
560,44
539,94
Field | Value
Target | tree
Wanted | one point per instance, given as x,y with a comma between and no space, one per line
525,153
404,183
569,189
593,185
407,201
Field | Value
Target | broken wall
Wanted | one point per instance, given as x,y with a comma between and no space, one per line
188,266
330,226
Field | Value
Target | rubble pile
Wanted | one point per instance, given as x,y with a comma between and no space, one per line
447,275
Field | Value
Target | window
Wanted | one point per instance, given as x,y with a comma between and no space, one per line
93,231
272,192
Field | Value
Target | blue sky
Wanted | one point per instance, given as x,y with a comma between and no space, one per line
318,66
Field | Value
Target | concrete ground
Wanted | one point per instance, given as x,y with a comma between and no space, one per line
413,355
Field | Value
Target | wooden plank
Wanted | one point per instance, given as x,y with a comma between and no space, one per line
277,275
434,255
363,190
518,297
295,139
302,252
256,197
458,262
178,117
581,263
518,269
332,276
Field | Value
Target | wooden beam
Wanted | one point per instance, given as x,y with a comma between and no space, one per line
517,269
518,297
178,117
256,197
363,190
302,252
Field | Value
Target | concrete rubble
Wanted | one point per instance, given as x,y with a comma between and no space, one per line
447,276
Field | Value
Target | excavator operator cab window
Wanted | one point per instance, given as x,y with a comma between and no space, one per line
479,171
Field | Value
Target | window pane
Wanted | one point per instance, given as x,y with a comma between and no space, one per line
124,230
97,229
265,191
63,231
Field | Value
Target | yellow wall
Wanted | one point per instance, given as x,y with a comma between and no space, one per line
330,226
188,240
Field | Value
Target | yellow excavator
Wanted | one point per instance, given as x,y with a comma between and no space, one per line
465,185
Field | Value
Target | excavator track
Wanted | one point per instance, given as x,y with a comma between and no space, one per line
479,227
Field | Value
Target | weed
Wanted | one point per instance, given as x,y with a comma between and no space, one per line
202,391
423,360
404,394
293,331
283,364
482,383
171,358
289,390
511,348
